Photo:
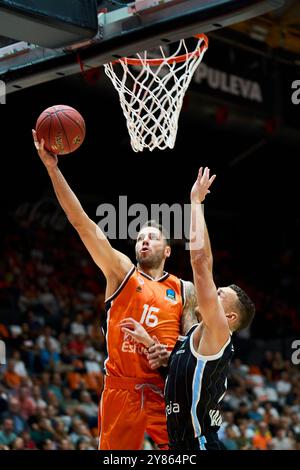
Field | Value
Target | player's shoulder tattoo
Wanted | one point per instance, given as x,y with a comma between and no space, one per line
189,317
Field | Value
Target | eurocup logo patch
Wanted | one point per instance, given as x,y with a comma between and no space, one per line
171,294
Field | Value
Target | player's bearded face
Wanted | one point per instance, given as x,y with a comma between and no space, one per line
150,260
150,248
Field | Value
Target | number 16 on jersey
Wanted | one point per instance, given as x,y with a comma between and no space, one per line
148,316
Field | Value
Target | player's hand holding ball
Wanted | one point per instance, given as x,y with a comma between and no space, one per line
49,159
59,130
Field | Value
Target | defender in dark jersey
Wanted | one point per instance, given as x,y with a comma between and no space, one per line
194,387
198,366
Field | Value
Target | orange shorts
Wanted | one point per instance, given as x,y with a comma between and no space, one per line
130,407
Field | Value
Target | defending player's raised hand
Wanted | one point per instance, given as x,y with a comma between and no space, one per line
135,331
49,159
158,354
201,186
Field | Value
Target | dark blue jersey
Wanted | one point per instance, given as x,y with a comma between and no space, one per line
194,388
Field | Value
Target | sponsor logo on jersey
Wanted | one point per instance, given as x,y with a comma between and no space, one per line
181,351
141,280
172,408
133,348
139,289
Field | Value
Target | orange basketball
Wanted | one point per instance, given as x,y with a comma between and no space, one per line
62,128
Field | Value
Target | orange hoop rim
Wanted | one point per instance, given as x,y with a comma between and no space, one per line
171,60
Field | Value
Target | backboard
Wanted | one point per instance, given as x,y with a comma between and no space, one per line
50,23
124,29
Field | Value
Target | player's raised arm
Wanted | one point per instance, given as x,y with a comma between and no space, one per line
212,312
112,263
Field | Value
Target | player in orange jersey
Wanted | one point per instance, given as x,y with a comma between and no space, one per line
132,401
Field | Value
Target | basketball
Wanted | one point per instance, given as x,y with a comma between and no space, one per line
62,128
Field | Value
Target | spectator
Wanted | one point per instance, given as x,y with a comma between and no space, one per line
37,398
67,400
244,440
77,327
48,444
49,302
266,365
270,413
262,437
228,420
230,440
256,413
236,396
83,445
19,366
47,335
7,436
242,413
283,387
11,378
14,413
282,441
295,425
65,444
277,365
87,408
77,345
18,444
56,386
42,431
29,444
27,405
49,356
91,364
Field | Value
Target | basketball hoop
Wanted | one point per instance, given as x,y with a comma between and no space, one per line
151,92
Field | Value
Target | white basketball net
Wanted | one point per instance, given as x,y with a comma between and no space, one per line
151,95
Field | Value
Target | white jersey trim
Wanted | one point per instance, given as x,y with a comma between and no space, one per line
130,272
162,278
183,293
106,337
208,358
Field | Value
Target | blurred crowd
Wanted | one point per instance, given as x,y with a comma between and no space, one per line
51,311
261,410
51,384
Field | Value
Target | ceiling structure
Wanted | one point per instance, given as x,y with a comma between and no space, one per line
279,29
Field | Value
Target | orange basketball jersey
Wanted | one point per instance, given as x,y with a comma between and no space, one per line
157,305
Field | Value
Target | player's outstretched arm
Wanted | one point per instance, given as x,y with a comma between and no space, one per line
201,259
112,263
